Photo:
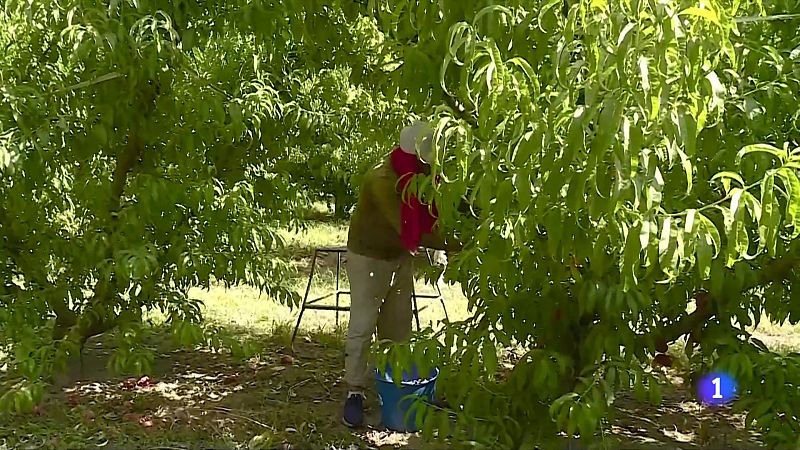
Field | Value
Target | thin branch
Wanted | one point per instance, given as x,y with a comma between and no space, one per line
772,18
460,110
101,79
714,204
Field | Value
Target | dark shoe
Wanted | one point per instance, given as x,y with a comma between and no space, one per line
354,410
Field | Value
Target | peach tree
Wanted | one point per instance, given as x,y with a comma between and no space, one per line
633,168
626,162
142,153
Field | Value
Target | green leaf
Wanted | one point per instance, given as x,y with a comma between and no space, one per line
489,10
489,352
607,128
555,229
687,129
587,422
666,236
525,67
561,402
759,410
737,236
640,392
704,247
671,240
576,196
760,148
791,186
717,89
645,73
690,226
575,137
767,223
713,233
655,392
503,197
611,376
624,378
649,227
726,176
631,257
522,184
704,13
687,169
444,425
735,209
572,422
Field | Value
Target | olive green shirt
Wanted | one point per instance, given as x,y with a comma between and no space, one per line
375,223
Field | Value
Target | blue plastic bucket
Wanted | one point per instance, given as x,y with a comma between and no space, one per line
397,401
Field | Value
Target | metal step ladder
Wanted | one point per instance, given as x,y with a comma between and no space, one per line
317,303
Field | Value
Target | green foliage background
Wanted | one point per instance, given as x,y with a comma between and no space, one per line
626,160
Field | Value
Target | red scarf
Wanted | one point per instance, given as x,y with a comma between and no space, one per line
415,217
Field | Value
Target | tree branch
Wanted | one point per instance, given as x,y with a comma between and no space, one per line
460,111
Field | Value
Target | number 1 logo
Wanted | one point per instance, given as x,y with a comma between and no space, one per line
716,388
717,382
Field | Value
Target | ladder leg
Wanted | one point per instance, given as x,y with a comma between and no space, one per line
414,303
439,289
338,269
305,297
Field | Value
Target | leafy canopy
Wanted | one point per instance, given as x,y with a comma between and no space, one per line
625,160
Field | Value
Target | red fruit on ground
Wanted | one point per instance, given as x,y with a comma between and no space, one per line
145,381
129,384
88,415
287,360
38,410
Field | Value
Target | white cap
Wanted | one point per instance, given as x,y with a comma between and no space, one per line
417,139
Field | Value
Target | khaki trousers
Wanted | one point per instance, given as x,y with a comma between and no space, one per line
380,296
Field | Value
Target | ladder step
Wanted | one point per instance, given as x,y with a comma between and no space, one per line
327,307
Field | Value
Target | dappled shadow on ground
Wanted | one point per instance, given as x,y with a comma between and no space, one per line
283,400
200,398
679,423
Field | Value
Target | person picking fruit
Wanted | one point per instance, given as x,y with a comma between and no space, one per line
387,227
